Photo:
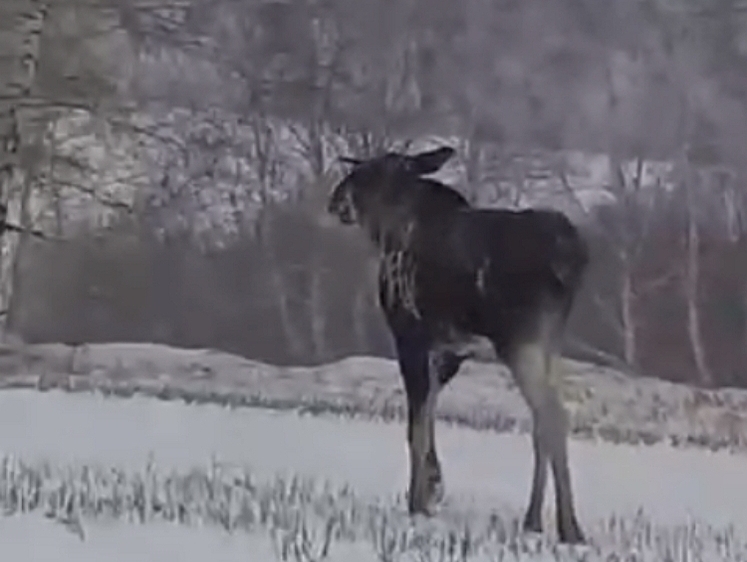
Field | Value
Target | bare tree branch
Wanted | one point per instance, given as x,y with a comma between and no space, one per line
95,195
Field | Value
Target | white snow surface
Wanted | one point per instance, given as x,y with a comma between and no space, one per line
30,538
603,403
691,496
493,469
484,471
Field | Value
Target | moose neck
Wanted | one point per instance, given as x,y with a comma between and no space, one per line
389,227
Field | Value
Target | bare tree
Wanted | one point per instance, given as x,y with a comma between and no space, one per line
692,183
28,19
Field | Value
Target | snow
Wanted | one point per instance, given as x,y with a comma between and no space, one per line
488,468
635,501
31,538
604,404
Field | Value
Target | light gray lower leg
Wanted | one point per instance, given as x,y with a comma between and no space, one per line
425,471
529,367
536,373
417,435
434,477
533,517
557,440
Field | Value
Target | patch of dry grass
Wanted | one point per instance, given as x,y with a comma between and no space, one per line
308,519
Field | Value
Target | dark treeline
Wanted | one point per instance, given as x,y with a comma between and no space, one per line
269,305
239,110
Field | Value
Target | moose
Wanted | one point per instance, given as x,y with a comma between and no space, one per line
454,280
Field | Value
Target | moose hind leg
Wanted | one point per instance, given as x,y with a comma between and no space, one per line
533,516
569,531
533,368
528,368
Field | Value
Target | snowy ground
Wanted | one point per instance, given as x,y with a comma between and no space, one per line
604,404
81,472
87,460
30,538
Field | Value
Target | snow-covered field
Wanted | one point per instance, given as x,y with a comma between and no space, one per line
92,477
34,538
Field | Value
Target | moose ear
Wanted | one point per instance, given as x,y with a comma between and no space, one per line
430,161
348,160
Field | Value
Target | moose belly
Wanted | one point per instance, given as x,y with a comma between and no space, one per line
471,323
471,346
457,319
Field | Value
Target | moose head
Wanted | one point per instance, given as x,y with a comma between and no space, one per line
374,180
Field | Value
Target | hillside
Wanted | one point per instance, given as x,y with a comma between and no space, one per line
604,404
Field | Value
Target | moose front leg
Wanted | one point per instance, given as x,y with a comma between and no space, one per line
443,366
422,387
425,473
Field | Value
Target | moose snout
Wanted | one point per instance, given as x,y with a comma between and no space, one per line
341,206
345,214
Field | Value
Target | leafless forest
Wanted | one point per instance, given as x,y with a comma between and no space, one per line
167,161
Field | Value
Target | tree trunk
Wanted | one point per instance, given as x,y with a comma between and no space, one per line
472,168
264,159
317,309
692,278
57,203
625,240
360,305
628,322
14,319
293,336
744,328
8,257
22,25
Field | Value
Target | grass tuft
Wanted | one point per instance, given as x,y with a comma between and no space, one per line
307,519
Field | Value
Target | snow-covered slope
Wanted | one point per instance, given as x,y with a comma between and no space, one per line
604,404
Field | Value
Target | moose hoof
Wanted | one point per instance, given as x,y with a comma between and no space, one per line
427,504
532,523
426,508
438,492
571,533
